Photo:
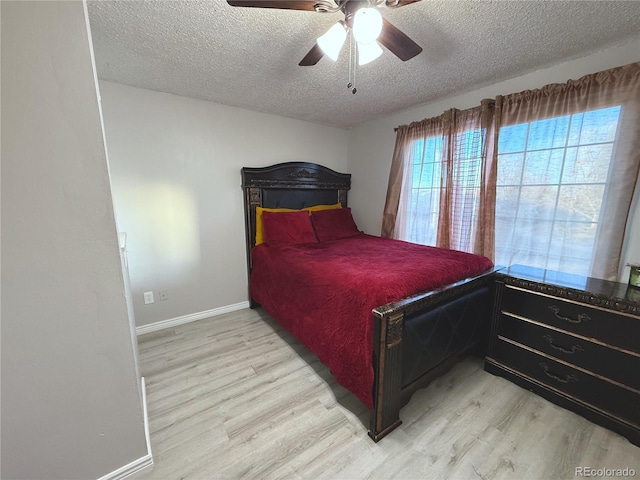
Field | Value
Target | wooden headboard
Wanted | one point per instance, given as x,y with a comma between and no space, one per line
293,185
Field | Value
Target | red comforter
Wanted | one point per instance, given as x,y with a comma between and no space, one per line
324,292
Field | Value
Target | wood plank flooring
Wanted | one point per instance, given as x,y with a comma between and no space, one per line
237,397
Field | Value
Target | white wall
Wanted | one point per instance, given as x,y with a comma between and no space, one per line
70,402
371,144
175,168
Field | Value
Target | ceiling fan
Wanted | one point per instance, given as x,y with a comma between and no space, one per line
361,18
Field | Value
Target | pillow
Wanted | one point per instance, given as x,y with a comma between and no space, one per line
259,210
288,228
334,224
315,208
259,228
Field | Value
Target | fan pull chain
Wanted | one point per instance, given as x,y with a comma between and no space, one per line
352,64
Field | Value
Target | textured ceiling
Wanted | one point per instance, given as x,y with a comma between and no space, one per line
248,57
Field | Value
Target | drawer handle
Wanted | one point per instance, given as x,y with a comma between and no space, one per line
583,317
574,349
566,379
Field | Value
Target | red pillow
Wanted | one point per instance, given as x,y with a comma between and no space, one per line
287,228
334,224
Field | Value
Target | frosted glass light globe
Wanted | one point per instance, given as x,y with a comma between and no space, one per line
367,25
331,42
368,52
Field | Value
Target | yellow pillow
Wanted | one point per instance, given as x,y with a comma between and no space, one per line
259,210
315,208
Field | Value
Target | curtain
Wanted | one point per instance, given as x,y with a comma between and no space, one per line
399,163
573,117
442,181
524,165
401,174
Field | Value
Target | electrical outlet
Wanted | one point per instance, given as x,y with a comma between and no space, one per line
148,298
163,295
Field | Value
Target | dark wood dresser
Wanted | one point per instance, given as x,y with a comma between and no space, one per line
572,340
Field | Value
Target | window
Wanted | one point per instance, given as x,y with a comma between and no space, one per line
427,176
424,197
542,177
552,178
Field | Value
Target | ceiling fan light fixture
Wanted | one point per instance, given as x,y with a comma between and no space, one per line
367,25
368,52
332,41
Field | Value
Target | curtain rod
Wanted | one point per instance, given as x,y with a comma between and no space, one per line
491,103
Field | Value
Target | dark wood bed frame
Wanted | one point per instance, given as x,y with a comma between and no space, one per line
415,339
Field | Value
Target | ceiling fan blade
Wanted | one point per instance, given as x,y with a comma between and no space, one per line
397,42
313,57
283,4
399,3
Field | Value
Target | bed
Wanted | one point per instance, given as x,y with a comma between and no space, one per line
384,328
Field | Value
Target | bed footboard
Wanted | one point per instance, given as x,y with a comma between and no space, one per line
419,339
387,364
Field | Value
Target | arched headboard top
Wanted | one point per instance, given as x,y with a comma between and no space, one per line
295,175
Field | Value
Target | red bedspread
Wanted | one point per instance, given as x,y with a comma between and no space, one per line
324,292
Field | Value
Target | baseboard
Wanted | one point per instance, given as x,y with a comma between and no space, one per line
145,416
143,463
192,317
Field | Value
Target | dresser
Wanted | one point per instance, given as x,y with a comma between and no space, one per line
572,340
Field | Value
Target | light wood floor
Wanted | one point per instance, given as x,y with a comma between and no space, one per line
235,396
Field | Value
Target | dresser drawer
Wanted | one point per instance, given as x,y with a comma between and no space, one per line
608,362
572,382
609,327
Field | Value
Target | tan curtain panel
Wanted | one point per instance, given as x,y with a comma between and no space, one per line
618,87
467,196
461,161
394,187
400,175
491,113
